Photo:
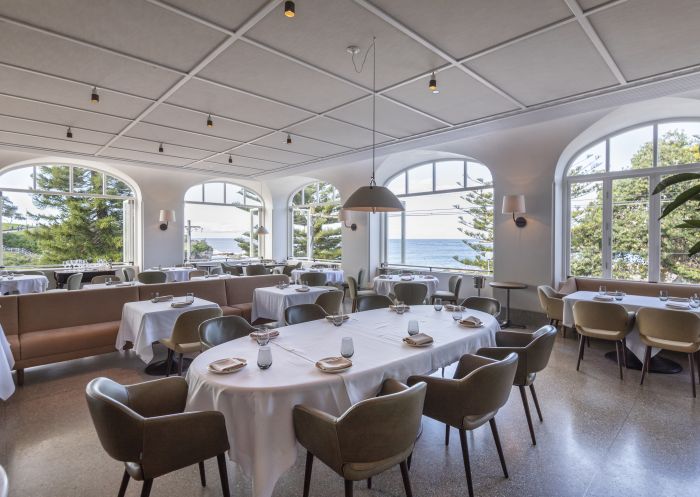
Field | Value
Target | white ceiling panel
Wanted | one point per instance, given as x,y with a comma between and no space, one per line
43,143
222,162
551,65
26,48
35,86
228,14
336,132
58,115
461,97
392,119
272,154
156,133
138,156
251,163
648,37
48,130
589,4
225,170
323,29
220,101
464,27
134,27
301,145
126,142
168,115
249,68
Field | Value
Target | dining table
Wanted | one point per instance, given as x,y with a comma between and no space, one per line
7,362
62,275
384,284
23,283
332,275
257,404
173,274
270,302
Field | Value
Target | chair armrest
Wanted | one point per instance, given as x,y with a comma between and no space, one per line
500,353
317,432
158,397
469,363
391,386
513,339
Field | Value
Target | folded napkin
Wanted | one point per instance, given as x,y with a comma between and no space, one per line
125,283
179,305
678,305
419,339
406,278
452,307
302,289
333,364
471,322
162,298
269,333
405,307
345,317
211,275
604,298
228,365
679,299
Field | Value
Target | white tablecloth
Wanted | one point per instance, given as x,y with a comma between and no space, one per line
213,277
385,286
7,384
24,283
175,273
102,286
145,322
332,275
629,302
270,302
258,404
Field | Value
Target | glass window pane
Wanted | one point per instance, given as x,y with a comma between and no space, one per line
475,222
114,186
87,181
420,179
478,175
630,228
327,193
449,175
300,223
297,198
679,143
590,161
194,194
632,150
676,266
53,178
586,224
393,238
310,193
234,194
251,198
18,178
214,193
326,233
398,184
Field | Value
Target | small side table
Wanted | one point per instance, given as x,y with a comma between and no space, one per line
508,286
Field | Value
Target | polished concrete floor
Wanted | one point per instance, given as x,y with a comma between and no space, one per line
600,437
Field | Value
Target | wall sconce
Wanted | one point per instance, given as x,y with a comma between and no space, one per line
166,216
262,230
344,216
513,204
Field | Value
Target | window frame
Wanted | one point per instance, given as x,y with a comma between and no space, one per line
309,206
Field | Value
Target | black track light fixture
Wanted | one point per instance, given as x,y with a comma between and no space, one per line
289,9
69,133
160,148
432,85
289,139
230,159
210,121
95,97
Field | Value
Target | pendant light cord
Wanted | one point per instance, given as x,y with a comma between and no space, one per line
372,182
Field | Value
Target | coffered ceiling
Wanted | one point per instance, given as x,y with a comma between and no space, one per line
162,66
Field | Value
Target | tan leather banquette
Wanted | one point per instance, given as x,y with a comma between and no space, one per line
630,287
44,328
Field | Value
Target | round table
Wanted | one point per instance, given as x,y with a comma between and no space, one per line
384,285
24,283
332,275
508,286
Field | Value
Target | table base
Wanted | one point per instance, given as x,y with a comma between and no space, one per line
659,365
510,324
159,368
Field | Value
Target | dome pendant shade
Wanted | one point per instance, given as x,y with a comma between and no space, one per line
373,198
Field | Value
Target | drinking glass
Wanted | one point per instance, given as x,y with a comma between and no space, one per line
189,298
262,336
337,319
400,309
264,357
457,313
347,349
437,305
695,301
618,296
602,290
663,295
413,327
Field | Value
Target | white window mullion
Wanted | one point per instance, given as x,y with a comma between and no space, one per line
654,230
607,228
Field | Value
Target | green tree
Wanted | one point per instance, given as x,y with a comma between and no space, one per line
200,249
320,210
476,224
243,242
10,210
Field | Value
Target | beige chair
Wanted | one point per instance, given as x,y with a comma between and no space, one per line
454,285
128,274
331,301
232,269
533,352
152,277
255,270
677,331
74,282
185,336
302,313
216,270
103,278
287,270
197,273
313,279
369,438
552,304
216,331
356,293
145,427
371,302
481,386
605,321
410,293
483,304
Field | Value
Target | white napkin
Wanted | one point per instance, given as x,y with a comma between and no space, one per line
678,305
604,298
228,365
333,363
419,339
162,298
471,322
261,333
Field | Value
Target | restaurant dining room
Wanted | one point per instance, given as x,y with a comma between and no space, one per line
337,248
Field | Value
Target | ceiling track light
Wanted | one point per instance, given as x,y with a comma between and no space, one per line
230,159
69,133
289,9
432,85
289,139
210,122
95,97
160,148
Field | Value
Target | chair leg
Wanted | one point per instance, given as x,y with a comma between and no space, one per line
146,489
443,372
20,377
523,395
307,472
447,434
348,488
537,404
369,482
697,364
645,364
619,354
202,474
580,350
494,431
179,365
406,480
125,482
223,474
692,372
465,458
624,352
169,362
409,460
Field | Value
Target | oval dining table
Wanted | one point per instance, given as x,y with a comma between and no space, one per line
257,404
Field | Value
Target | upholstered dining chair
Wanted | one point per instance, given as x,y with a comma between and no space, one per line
287,270
152,277
4,484
197,273
605,321
216,331
677,331
481,386
367,439
370,302
483,304
454,284
552,304
232,269
185,336
356,293
301,313
533,352
103,278
313,279
216,270
331,301
128,274
145,427
74,282
410,293
255,270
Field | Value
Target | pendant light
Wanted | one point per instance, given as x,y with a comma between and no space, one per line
373,198
69,133
289,139
95,97
160,148
230,159
289,9
210,122
432,85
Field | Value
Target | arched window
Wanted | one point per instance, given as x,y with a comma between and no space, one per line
448,221
221,220
57,212
315,232
612,223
